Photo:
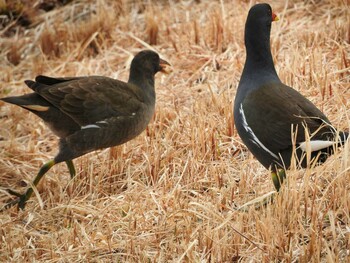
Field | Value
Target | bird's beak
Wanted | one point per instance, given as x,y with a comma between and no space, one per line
274,17
165,67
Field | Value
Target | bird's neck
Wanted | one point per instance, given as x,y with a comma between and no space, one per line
143,80
255,61
259,57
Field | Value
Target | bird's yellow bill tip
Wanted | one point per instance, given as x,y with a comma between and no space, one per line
165,66
274,17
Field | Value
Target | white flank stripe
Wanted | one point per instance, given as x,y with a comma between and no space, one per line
254,139
315,145
103,122
90,126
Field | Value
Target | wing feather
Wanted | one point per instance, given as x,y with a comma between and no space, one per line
282,107
88,100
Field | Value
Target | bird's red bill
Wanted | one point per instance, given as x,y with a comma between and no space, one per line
275,17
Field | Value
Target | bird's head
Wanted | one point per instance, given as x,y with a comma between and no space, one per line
261,14
149,61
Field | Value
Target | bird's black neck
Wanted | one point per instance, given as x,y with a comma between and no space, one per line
144,80
259,57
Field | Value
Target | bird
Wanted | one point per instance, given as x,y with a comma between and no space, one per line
274,120
91,112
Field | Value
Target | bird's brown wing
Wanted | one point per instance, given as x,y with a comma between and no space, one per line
271,111
89,100
52,81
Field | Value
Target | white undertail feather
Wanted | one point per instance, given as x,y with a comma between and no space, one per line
315,145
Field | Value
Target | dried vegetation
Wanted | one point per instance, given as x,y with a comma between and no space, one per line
170,195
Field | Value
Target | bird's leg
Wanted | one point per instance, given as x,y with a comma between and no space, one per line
71,168
43,170
278,178
22,199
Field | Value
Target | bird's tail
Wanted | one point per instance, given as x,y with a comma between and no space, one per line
343,136
32,102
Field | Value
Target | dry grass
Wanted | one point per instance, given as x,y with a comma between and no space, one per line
170,194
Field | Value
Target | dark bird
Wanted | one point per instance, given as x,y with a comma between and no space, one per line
91,113
272,119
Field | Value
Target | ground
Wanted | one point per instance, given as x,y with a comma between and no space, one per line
171,194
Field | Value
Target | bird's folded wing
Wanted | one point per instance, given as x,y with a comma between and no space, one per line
283,108
89,100
52,81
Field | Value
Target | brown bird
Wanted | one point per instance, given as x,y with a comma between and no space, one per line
91,113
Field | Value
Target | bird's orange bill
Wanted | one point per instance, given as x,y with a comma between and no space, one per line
165,66
274,17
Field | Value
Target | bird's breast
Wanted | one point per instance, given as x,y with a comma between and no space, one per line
125,128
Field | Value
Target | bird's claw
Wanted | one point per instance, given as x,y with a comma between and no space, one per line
9,205
20,201
11,192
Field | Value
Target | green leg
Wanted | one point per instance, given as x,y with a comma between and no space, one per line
43,170
22,199
278,178
71,168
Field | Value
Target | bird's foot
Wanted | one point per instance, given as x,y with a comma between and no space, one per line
258,202
23,198
20,201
